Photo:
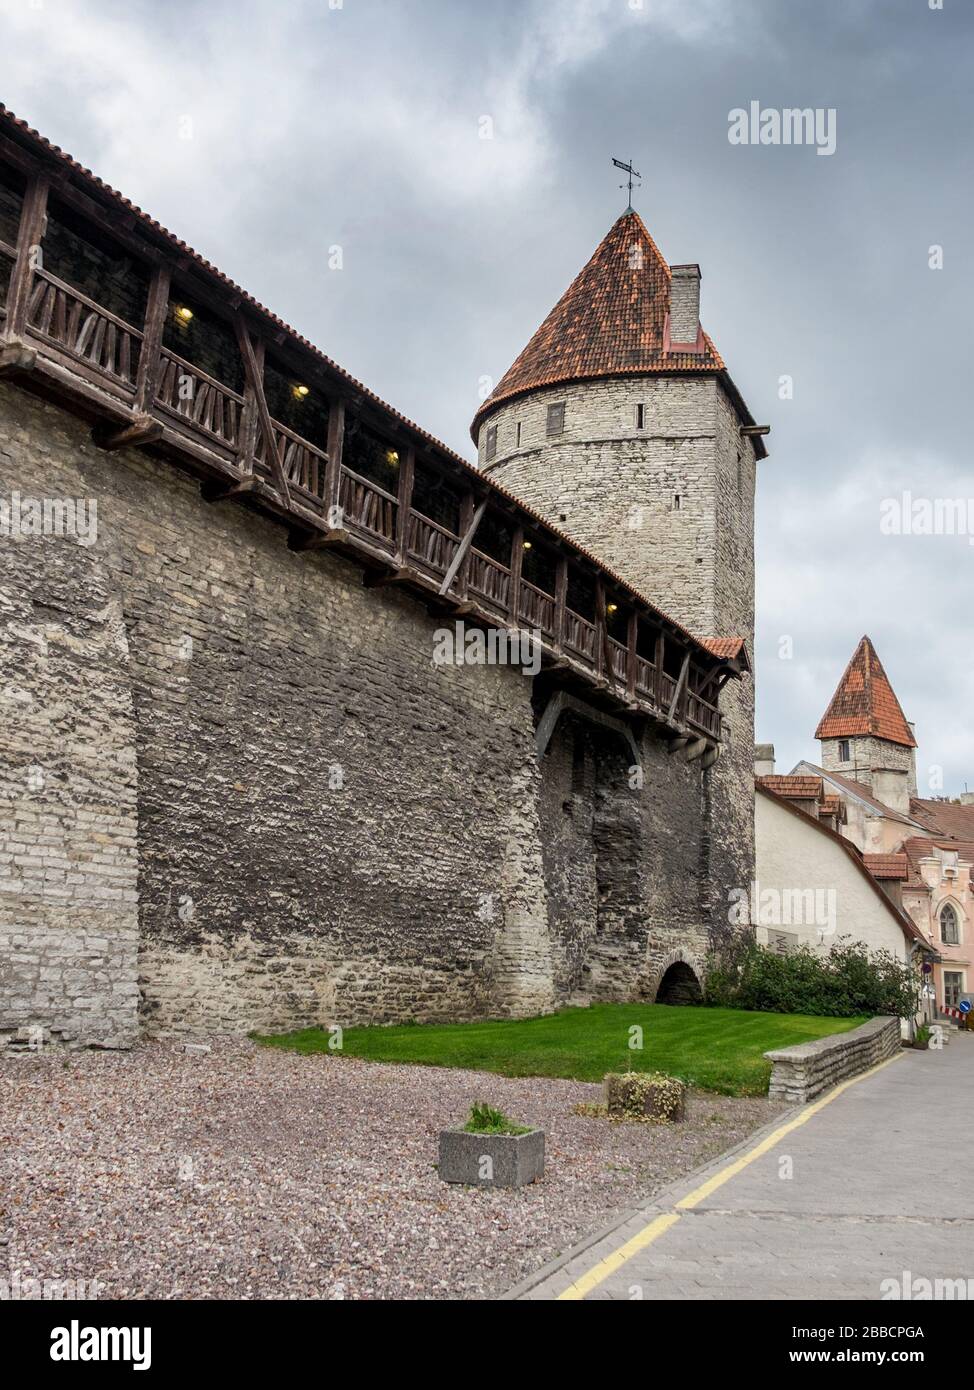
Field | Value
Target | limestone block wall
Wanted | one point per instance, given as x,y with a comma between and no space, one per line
801,1073
269,808
68,774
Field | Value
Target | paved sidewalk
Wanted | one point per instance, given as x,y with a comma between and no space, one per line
876,1183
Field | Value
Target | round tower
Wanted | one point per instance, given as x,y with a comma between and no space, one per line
620,424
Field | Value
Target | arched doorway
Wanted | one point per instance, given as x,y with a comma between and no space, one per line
679,985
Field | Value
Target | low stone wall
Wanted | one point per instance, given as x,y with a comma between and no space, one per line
801,1073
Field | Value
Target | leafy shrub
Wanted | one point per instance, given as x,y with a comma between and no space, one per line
484,1119
845,981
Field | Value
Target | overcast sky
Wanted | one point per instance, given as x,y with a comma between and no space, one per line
266,133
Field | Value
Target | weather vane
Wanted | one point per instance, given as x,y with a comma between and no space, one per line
632,175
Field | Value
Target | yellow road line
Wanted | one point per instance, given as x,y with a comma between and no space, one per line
585,1283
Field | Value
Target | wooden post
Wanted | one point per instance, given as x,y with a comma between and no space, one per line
599,652
247,443
147,378
561,599
517,561
405,495
254,371
632,641
660,657
336,438
30,234
469,526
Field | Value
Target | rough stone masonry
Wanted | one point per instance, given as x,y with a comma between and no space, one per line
237,794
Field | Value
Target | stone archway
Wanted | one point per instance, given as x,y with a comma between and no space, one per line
678,981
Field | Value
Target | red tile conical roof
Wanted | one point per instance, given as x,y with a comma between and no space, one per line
610,321
864,703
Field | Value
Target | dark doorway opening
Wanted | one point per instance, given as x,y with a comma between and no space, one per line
679,985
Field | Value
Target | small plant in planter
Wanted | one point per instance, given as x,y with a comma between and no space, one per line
491,1151
644,1096
921,1038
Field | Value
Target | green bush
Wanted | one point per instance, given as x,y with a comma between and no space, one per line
484,1119
845,981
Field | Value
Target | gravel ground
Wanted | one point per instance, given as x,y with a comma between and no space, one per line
247,1172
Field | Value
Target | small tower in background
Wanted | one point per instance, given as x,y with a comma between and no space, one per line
866,736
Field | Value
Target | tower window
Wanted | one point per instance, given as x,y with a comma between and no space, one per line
640,416
490,448
556,418
949,926
677,502
518,444
845,752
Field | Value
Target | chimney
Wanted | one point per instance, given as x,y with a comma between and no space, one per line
764,760
684,305
912,780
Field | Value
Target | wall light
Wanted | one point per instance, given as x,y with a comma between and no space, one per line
300,391
392,457
183,313
527,545
611,607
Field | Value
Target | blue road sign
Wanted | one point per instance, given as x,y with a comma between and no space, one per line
965,1006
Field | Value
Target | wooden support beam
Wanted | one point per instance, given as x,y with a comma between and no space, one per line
632,641
749,431
333,467
561,601
695,749
223,491
30,234
143,429
407,475
463,547
517,562
16,357
150,357
321,540
710,757
604,664
679,687
272,449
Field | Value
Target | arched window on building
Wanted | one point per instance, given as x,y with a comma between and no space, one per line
949,926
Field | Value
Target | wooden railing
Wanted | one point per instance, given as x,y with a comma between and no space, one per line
365,504
189,393
703,715
536,609
78,326
489,580
432,545
304,464
226,427
580,636
619,659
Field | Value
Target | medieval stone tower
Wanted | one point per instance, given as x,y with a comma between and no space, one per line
620,424
866,736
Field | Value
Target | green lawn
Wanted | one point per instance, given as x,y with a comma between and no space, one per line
717,1049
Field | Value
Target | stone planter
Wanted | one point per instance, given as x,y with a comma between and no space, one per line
491,1160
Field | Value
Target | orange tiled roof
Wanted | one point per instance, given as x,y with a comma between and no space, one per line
864,703
791,787
610,321
726,647
887,865
831,805
943,817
